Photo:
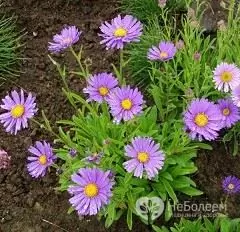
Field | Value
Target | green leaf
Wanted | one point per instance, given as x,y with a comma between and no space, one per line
111,214
129,218
203,146
169,190
158,229
166,175
225,225
70,210
120,170
190,191
127,178
168,211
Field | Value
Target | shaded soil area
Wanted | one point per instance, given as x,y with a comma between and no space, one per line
34,206
213,166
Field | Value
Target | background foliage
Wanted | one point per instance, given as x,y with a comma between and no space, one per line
9,48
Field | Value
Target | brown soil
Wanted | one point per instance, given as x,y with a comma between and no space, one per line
34,206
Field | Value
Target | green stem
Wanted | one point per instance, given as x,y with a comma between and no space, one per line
78,58
46,128
121,66
63,76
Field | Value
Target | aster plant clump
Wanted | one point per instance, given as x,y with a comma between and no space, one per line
178,64
114,151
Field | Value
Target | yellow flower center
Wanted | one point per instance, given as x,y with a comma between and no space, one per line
126,104
226,111
42,159
17,111
120,32
231,186
163,55
201,119
143,157
103,91
226,76
91,190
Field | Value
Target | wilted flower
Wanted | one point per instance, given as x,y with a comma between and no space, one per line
236,96
72,152
226,77
42,157
92,190
106,141
67,37
19,110
179,44
230,112
120,31
164,52
191,13
59,171
162,3
202,119
125,103
196,56
223,4
99,86
88,62
222,25
189,93
95,157
4,160
195,24
231,185
145,156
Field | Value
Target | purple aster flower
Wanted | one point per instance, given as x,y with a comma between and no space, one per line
42,157
236,96
226,77
91,192
231,185
164,52
125,103
120,31
230,112
72,152
68,36
19,110
145,156
4,160
99,86
202,119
